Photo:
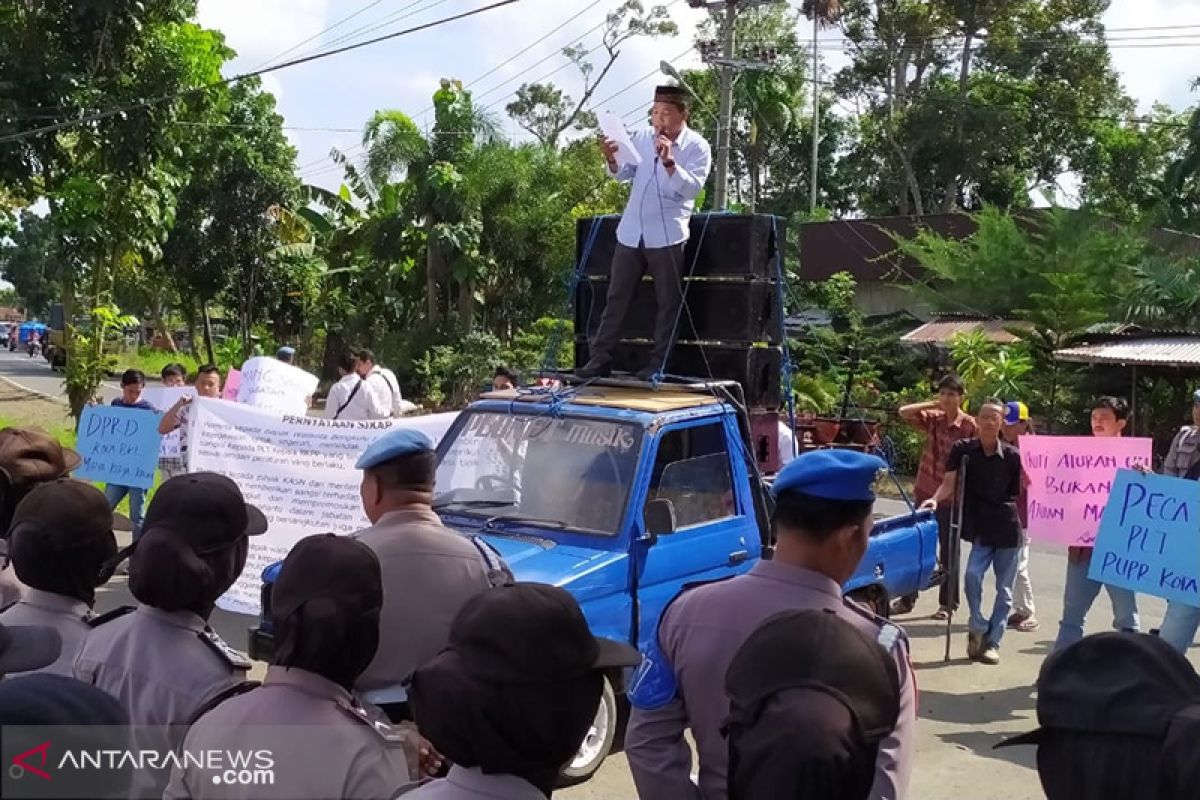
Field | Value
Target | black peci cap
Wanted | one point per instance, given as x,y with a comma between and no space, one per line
819,651
1115,682
531,633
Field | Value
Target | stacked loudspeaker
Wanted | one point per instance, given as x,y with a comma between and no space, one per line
730,328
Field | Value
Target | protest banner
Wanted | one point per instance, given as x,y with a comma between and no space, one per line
1149,540
164,398
298,470
118,445
232,382
269,383
1070,478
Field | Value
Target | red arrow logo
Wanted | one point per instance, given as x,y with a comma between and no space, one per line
42,750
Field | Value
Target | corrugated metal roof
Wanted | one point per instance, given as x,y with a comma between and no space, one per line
942,330
1162,351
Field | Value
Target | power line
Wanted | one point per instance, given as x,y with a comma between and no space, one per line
324,31
400,14
226,81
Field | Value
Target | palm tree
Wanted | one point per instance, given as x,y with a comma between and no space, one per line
823,14
432,165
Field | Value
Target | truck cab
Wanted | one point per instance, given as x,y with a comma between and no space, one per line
623,496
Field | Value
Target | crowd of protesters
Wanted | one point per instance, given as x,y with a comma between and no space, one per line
407,662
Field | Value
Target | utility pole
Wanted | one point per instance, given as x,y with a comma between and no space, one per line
816,126
725,110
728,65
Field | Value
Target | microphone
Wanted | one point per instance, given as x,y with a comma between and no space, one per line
658,133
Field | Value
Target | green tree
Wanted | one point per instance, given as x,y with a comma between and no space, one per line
547,112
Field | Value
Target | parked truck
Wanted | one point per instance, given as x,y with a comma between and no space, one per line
623,495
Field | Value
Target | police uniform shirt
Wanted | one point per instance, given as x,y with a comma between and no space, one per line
11,587
1184,453
321,744
699,634
162,665
429,572
67,615
471,784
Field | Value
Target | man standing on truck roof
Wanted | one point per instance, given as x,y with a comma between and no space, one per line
429,570
943,422
822,523
653,231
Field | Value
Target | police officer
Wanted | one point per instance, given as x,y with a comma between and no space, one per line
513,694
28,457
162,660
322,743
61,539
822,521
811,698
429,571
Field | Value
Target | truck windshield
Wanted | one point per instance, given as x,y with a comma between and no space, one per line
576,472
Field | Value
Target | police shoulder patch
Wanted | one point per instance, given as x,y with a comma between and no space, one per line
241,687
99,619
236,659
384,730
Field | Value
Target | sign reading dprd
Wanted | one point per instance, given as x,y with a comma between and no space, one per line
1148,540
118,445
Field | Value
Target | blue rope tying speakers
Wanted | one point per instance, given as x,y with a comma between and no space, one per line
550,360
660,371
787,350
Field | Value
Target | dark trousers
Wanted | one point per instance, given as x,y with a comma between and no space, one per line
948,592
629,264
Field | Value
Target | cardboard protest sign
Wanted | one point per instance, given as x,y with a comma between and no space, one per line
233,382
118,445
270,384
1149,539
299,470
163,398
1070,478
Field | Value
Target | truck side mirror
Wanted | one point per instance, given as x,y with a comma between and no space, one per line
660,518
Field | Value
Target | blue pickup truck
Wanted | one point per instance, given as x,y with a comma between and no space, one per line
622,495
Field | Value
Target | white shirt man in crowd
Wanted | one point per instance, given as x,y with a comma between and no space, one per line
380,382
351,398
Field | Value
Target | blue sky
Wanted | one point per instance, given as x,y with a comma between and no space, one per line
343,91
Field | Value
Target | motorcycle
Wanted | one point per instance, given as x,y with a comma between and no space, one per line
34,347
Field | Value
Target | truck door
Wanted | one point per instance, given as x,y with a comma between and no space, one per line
715,534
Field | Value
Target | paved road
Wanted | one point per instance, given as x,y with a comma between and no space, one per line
35,374
965,708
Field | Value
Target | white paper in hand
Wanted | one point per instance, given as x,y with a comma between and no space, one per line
614,130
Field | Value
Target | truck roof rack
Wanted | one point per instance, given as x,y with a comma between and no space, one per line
696,385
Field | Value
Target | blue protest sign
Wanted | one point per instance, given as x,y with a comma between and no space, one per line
118,445
1149,537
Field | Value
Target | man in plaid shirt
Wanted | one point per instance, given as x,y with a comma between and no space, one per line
943,422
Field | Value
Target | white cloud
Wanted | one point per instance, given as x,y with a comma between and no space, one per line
1152,71
260,29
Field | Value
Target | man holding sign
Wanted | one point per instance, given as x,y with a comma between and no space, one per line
1110,415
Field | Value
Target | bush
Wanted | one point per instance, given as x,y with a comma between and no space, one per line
453,374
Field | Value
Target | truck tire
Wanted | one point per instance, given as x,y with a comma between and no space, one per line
598,742
874,598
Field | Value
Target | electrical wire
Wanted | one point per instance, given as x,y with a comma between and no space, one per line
99,116
324,31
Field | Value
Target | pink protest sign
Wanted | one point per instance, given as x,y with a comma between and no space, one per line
1070,478
232,381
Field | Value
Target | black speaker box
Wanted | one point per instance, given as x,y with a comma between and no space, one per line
757,369
729,245
720,311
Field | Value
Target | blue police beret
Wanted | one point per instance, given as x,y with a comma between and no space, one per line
286,351
833,474
393,444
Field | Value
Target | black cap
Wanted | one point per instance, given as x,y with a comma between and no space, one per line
670,94
817,650
342,570
62,537
531,633
206,508
27,647
1117,683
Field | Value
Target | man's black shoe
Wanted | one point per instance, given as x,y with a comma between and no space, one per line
593,370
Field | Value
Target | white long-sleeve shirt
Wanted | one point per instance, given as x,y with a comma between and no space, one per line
358,404
660,204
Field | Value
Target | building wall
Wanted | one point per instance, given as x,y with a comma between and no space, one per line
875,298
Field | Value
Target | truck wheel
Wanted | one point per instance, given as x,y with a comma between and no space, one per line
597,743
874,598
